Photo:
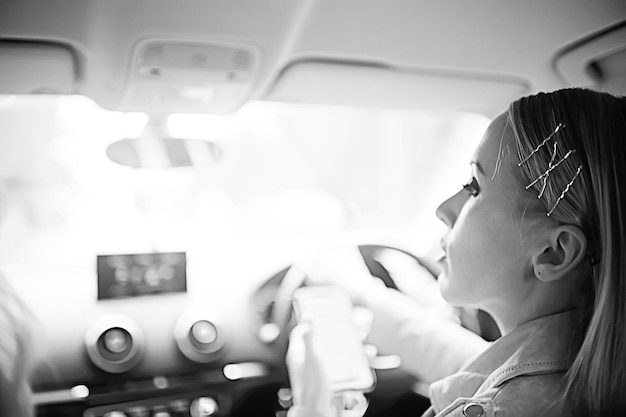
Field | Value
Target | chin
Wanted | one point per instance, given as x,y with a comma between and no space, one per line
444,287
452,294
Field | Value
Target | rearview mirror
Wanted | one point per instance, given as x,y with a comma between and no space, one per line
161,152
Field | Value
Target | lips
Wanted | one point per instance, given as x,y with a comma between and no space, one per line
443,255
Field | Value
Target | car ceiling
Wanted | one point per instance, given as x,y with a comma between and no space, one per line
410,53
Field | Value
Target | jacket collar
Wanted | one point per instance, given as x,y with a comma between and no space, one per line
543,345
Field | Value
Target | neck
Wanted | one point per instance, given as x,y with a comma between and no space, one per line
510,314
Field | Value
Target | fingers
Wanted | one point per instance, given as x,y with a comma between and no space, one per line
309,384
297,349
340,265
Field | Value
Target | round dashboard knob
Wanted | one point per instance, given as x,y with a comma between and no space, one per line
114,343
203,332
116,340
199,338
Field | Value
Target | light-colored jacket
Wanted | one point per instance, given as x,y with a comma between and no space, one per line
517,375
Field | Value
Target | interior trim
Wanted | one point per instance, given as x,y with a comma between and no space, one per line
572,62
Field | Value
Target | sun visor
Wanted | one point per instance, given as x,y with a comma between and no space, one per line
32,67
598,61
374,86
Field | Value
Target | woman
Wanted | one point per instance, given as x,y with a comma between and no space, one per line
15,321
15,329
537,239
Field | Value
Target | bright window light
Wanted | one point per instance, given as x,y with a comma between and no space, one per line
133,124
197,126
288,175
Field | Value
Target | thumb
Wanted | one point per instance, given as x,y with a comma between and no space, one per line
309,383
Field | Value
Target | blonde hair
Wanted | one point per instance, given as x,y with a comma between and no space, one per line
595,128
15,322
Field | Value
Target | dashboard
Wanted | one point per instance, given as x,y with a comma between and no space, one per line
151,344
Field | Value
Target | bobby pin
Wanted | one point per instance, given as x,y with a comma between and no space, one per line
567,187
545,180
561,125
550,169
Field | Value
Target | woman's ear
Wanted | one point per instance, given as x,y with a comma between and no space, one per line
563,251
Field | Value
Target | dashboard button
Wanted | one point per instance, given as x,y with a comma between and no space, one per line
160,411
203,407
114,414
179,406
138,411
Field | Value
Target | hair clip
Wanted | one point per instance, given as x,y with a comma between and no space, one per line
567,187
551,167
561,125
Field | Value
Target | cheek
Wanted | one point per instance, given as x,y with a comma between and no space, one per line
480,257
463,270
468,243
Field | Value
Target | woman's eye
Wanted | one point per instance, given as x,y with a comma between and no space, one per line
472,187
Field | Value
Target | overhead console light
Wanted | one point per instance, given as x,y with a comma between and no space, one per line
170,76
28,67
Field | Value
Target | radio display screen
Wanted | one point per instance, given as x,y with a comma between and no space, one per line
132,275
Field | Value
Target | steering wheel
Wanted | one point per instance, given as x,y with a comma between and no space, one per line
274,297
377,269
383,262
395,394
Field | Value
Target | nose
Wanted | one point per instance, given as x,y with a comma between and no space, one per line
448,211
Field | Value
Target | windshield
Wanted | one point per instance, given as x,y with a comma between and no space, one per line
285,173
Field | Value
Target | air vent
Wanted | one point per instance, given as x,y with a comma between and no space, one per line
114,343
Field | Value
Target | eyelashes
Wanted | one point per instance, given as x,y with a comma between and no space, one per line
472,187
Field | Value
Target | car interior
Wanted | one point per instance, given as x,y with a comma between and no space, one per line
166,166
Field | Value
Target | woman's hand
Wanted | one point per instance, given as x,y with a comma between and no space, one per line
309,384
310,390
343,266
